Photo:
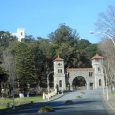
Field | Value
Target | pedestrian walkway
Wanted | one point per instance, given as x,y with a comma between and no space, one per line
55,97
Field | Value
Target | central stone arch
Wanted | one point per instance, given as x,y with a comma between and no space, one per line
72,78
79,82
86,73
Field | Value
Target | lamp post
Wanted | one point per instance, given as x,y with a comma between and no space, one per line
48,88
107,96
111,37
13,106
13,75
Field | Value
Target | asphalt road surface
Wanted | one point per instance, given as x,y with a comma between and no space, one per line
85,102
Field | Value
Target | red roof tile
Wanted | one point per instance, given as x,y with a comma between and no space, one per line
97,57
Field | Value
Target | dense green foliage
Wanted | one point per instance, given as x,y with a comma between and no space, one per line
25,64
28,62
3,75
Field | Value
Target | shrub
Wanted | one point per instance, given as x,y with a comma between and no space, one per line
31,102
78,97
46,109
8,105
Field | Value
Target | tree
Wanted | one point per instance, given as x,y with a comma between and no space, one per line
39,63
3,79
6,57
29,38
5,39
106,21
83,43
3,75
25,65
109,55
68,45
63,34
91,50
106,26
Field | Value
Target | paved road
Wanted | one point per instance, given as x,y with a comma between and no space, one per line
90,103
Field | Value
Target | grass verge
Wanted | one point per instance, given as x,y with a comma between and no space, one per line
78,97
7,103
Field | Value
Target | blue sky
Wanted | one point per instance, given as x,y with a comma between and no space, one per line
41,17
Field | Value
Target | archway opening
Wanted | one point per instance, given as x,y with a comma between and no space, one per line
91,85
79,82
99,82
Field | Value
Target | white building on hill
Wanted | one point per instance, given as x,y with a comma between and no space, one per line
20,34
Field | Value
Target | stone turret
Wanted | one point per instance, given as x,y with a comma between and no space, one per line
97,64
97,59
59,75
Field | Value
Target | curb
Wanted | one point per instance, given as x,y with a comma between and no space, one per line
57,97
54,98
60,95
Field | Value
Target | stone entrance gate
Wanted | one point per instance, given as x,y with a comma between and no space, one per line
94,76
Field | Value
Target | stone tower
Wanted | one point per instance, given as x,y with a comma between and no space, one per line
97,64
20,34
59,75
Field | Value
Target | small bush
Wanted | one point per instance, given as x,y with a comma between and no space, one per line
78,97
8,105
69,102
46,109
31,102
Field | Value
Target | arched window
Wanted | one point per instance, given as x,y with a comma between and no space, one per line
99,69
99,82
60,83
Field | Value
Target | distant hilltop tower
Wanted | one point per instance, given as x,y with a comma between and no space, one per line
20,34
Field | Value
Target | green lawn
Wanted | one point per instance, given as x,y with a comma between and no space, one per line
5,102
113,92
